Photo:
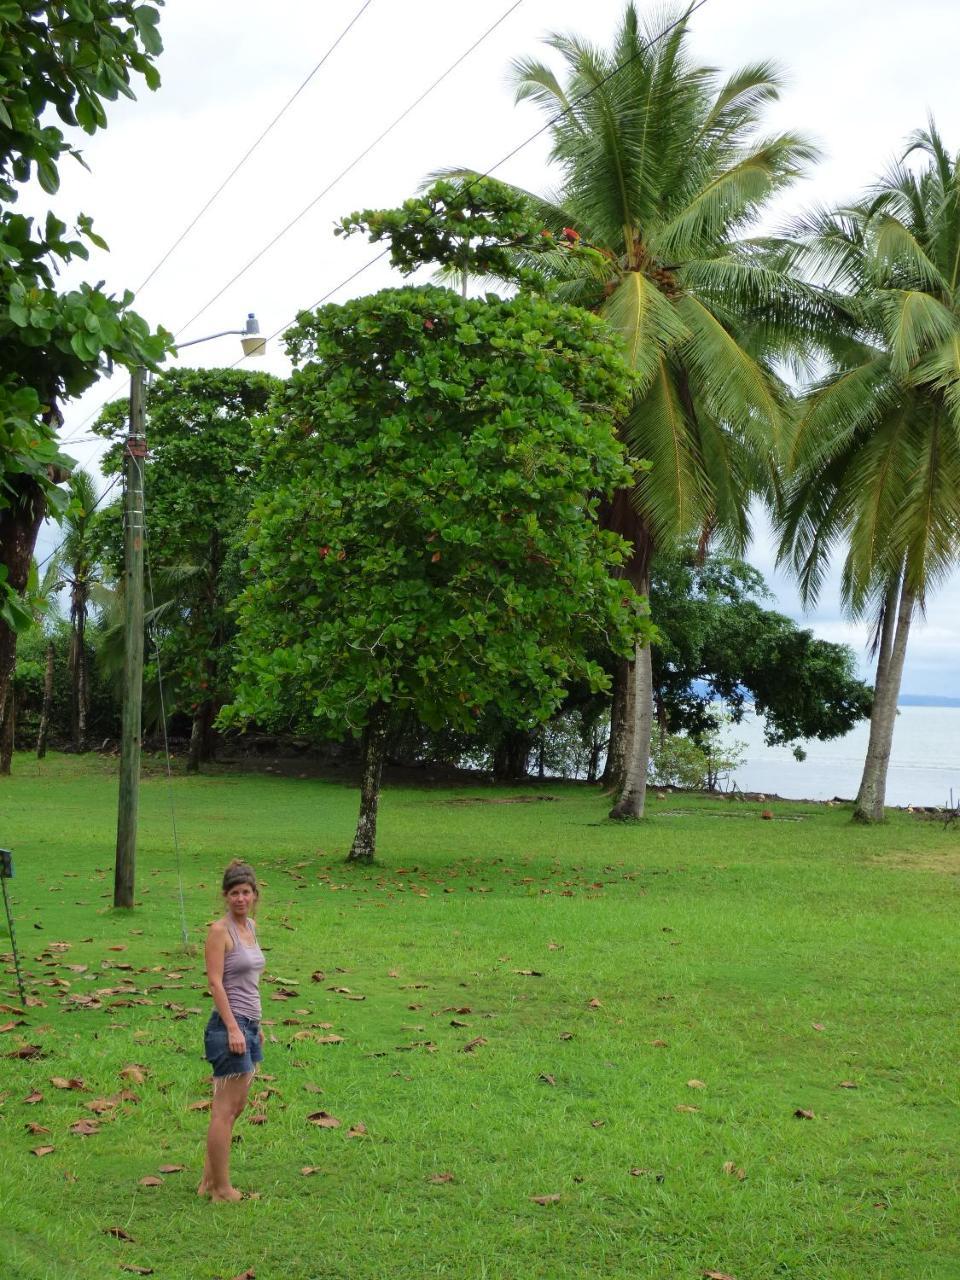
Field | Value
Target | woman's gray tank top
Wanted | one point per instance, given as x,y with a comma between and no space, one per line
241,974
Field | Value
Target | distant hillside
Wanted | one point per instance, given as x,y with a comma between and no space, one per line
927,700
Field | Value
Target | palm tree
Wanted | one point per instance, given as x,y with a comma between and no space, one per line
663,173
875,459
79,562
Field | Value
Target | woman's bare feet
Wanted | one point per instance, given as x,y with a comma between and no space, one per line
231,1193
203,1189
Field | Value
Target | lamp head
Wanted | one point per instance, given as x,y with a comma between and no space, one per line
251,343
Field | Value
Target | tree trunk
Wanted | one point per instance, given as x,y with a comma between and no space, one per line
614,769
202,736
364,844
633,795
7,727
20,522
596,746
47,702
541,763
873,785
510,755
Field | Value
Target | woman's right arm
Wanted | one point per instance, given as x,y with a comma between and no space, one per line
214,953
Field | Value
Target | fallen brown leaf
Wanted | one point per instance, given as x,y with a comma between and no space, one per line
848,1084
357,1131
804,1115
137,1271
134,1072
323,1120
441,1177
734,1171
119,1234
659,1044
594,1003
100,1105
551,1199
85,1128
309,1169
151,1181
547,1078
696,1084
34,1097
476,1043
42,1151
683,1107
566,1035
718,1275
60,1082
26,1051
172,1168
257,1118
329,1040
9,1026
36,1129
529,973
318,976
597,1124
818,1026
202,1105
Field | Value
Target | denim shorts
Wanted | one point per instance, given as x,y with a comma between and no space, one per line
216,1047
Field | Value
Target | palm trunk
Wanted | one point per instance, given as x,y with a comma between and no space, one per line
883,718
47,702
83,681
633,794
364,844
887,629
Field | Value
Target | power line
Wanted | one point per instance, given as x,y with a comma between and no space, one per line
251,149
352,165
509,156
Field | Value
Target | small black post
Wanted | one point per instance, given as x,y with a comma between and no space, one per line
6,871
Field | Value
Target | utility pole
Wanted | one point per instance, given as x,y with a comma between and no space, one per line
134,534
131,730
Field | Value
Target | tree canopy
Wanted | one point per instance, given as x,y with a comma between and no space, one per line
424,536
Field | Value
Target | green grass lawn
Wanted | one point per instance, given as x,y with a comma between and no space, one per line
655,1002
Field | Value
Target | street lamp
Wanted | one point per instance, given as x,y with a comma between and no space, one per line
133,533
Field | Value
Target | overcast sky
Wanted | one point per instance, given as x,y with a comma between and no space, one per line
860,76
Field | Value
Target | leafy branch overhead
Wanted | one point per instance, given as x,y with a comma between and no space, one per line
479,227
68,59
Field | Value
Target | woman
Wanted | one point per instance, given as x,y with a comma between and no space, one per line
233,1041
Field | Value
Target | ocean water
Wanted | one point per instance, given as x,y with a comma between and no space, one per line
924,764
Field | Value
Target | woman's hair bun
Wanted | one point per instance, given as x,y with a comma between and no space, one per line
239,872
